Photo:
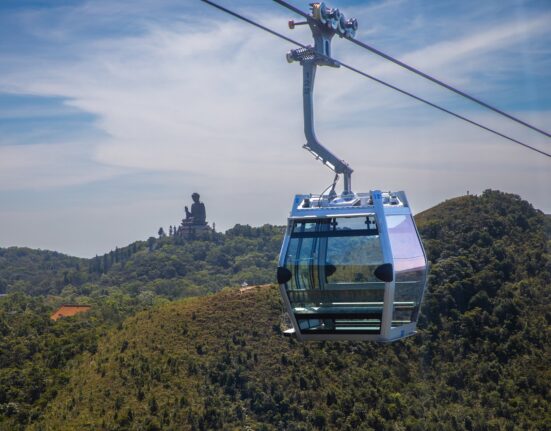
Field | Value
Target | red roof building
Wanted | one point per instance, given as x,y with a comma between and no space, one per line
68,310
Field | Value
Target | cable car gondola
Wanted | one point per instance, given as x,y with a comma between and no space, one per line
352,266
352,269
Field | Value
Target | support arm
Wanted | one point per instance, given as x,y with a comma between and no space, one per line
312,144
324,23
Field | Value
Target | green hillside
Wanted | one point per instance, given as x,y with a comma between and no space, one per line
548,225
21,267
35,352
481,360
168,266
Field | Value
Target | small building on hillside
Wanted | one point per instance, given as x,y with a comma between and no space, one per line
68,310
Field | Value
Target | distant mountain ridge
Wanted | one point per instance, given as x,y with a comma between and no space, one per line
165,264
21,265
481,359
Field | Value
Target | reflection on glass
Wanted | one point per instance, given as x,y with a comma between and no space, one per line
410,268
332,262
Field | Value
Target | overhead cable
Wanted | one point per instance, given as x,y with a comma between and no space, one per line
421,73
386,84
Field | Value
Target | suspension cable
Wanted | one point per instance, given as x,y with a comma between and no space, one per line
386,84
421,73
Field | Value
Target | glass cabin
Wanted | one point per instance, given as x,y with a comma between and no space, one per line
352,269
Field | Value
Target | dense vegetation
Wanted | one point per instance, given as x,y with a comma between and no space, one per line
167,266
34,351
34,354
25,270
481,360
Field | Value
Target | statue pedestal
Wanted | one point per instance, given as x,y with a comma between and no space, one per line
192,231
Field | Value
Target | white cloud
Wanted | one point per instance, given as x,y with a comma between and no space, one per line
39,167
219,103
472,51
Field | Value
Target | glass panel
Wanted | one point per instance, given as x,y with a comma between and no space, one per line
340,326
355,259
312,298
304,262
406,246
410,268
305,227
353,223
332,261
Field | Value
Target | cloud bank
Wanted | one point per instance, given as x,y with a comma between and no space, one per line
212,102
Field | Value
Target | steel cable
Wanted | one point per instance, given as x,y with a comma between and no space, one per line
421,73
386,84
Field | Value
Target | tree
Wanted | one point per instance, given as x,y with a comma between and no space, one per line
3,286
153,406
161,232
151,243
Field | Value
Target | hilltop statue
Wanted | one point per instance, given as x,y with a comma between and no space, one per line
198,215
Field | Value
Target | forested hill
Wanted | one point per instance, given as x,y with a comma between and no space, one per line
166,266
481,359
548,225
21,267
35,352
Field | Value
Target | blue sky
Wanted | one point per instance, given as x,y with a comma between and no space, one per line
113,113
